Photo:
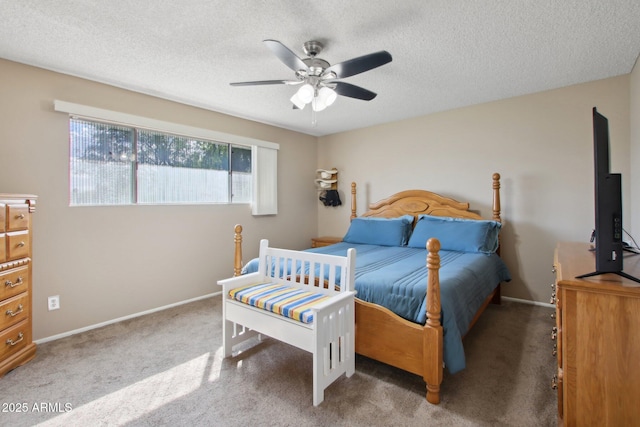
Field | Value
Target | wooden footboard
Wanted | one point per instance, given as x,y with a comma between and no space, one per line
388,338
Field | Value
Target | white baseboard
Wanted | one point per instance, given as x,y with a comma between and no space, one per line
153,310
120,319
526,301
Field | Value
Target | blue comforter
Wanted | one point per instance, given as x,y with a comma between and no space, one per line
395,277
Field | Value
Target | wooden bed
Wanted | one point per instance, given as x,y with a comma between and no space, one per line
381,334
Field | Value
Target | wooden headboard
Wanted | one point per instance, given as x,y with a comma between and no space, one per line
418,202
409,202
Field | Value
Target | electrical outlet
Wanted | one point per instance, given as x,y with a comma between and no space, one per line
54,302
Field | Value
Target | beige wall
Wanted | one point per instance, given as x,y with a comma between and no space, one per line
110,262
541,144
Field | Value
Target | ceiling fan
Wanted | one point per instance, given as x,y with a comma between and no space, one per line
319,79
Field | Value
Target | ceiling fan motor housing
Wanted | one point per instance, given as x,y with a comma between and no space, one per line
316,65
312,48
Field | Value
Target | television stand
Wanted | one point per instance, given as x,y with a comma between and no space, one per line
619,273
598,380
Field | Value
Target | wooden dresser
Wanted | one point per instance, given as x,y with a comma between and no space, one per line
598,340
16,345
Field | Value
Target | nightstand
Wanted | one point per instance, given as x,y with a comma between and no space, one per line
318,242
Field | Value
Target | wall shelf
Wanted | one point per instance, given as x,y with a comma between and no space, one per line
327,179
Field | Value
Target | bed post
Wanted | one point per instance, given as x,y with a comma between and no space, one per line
496,197
353,200
433,334
237,256
496,217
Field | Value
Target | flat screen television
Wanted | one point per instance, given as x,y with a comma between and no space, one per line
608,205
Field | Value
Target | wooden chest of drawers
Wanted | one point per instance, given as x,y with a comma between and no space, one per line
16,345
598,341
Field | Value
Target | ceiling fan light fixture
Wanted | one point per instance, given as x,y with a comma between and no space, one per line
306,93
297,101
327,95
317,105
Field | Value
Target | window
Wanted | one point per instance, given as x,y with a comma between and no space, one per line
112,164
107,160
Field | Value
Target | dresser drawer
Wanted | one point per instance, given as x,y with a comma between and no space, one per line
13,282
17,217
3,247
18,245
15,338
14,310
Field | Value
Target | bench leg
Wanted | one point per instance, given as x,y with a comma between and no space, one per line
318,386
234,333
351,351
334,352
227,334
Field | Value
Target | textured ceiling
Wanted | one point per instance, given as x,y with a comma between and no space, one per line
446,53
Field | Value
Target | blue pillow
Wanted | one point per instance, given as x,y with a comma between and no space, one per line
456,234
380,231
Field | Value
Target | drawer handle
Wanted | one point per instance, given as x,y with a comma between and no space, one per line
15,313
10,284
20,245
21,216
12,342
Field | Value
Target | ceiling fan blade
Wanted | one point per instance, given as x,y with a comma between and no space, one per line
359,65
263,82
285,55
353,91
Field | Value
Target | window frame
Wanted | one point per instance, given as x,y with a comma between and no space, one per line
265,184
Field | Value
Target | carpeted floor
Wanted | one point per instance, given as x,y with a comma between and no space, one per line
166,369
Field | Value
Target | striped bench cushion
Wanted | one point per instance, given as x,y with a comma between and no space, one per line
283,300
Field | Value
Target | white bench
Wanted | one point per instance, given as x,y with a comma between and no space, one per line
326,285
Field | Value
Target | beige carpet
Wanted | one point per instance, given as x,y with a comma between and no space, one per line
165,369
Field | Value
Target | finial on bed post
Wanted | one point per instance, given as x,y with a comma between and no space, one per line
496,197
353,200
237,259
433,327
